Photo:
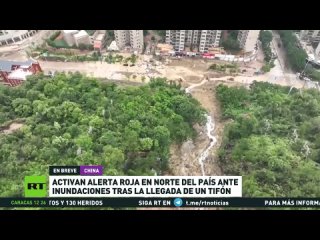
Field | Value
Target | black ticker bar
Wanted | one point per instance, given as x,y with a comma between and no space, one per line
160,202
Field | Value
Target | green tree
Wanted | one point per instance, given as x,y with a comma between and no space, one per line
22,107
84,141
231,44
296,55
114,157
146,144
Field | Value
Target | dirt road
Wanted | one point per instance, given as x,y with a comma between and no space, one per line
119,72
12,128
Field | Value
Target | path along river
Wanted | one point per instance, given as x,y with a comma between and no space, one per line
209,129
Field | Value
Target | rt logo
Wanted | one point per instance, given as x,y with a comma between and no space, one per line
178,202
35,186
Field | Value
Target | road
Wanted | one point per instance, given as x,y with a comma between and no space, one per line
282,68
117,71
281,53
280,74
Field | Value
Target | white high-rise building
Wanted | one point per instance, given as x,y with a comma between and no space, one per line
196,37
248,39
311,35
209,39
133,38
122,38
13,36
317,51
136,40
176,38
201,39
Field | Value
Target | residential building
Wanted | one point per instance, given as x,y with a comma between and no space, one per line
82,37
248,39
132,38
76,37
98,42
177,39
122,38
13,36
196,37
136,40
68,36
209,39
317,51
98,39
14,73
200,40
310,35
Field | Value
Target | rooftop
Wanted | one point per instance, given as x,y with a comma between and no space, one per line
6,65
70,31
99,37
113,46
81,34
97,44
19,74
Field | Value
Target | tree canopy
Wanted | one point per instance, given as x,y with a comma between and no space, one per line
273,140
295,54
266,37
75,120
231,43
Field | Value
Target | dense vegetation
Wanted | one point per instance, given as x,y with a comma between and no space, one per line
162,34
231,43
73,120
225,68
273,140
295,55
312,72
265,38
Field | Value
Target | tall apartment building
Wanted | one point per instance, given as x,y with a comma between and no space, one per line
13,36
317,50
209,39
311,35
176,38
201,39
248,39
133,38
136,40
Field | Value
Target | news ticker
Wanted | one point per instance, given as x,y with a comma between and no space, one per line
160,202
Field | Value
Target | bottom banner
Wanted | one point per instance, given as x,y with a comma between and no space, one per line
161,202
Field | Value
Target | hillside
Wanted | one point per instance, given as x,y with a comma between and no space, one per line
273,140
74,120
